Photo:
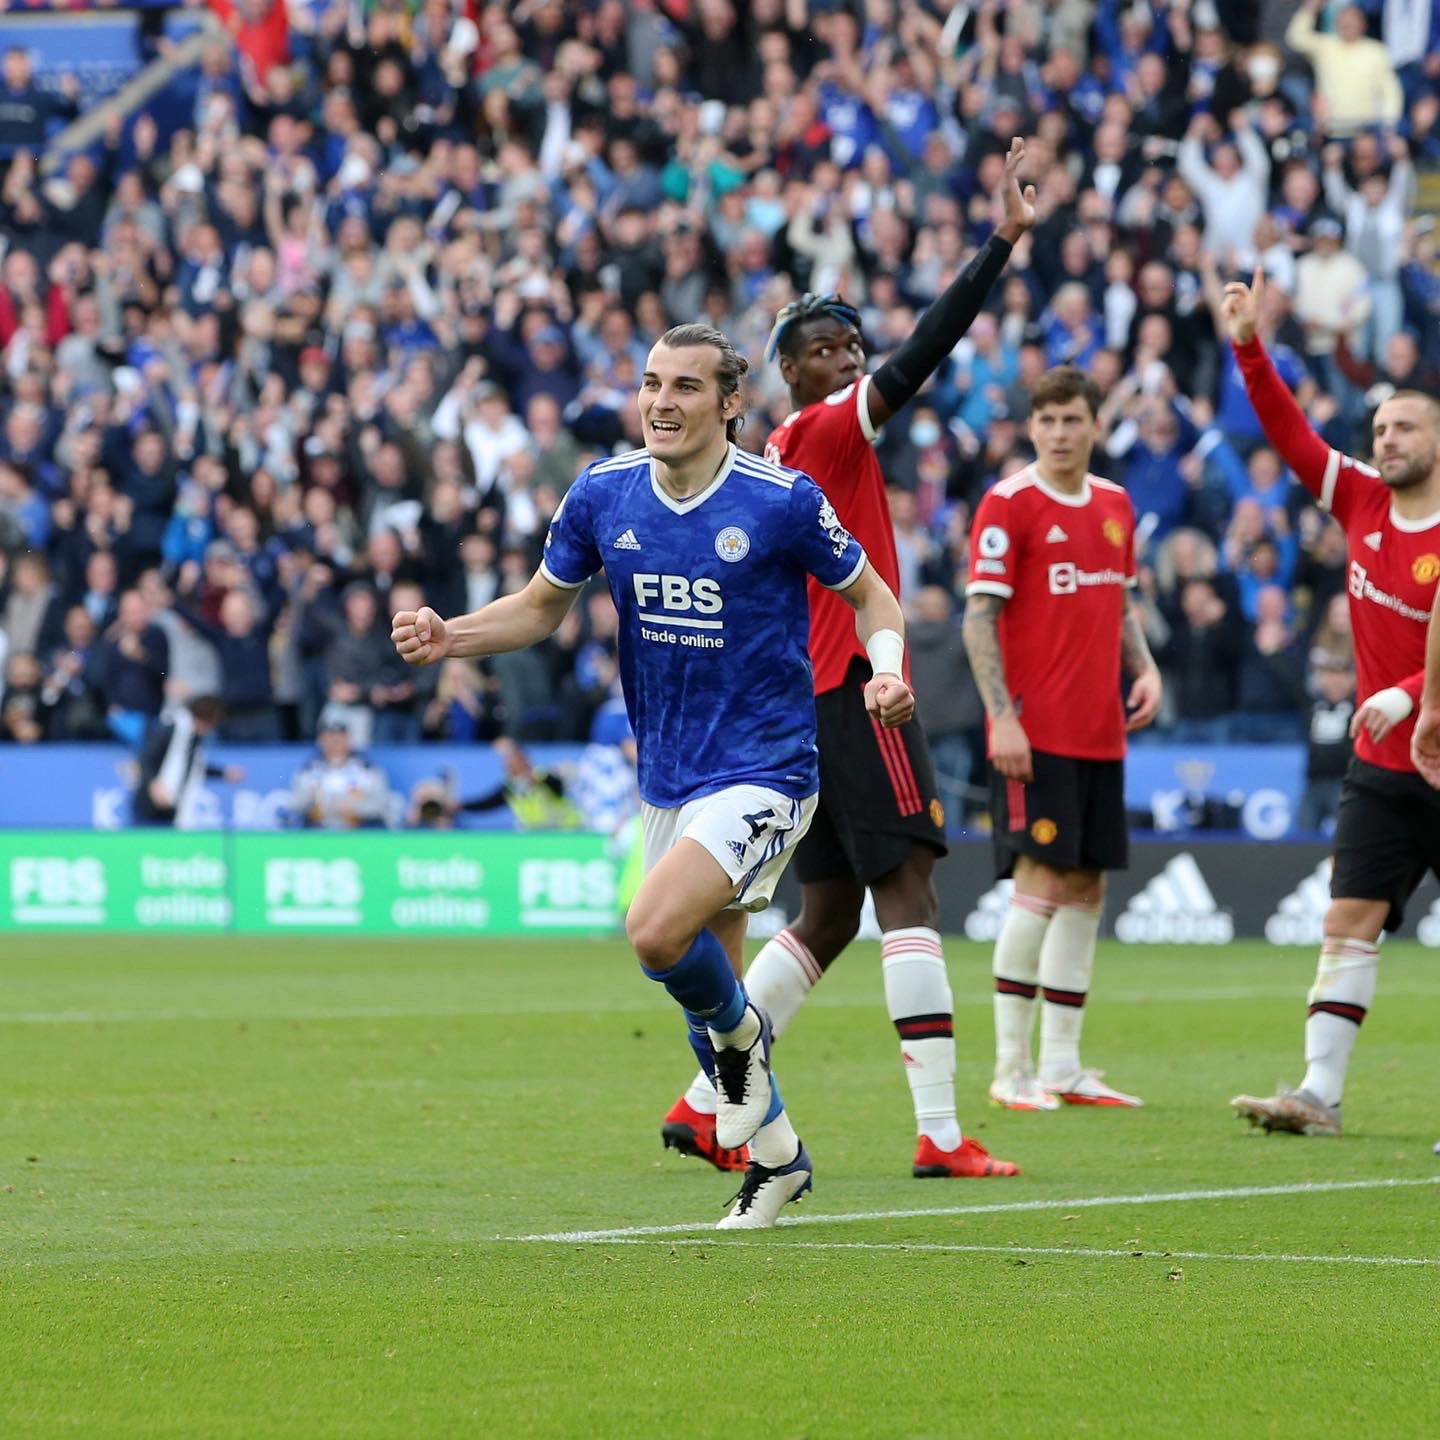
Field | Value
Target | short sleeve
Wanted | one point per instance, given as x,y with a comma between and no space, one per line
571,557
820,544
992,550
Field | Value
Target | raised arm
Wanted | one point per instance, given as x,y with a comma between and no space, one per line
1009,745
1280,415
942,326
880,624
512,622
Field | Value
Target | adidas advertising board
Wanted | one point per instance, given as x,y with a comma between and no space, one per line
1201,893
1176,907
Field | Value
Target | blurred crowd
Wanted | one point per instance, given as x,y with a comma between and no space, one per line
338,345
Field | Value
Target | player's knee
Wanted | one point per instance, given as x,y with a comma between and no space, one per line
827,933
1350,919
909,902
655,941
1083,887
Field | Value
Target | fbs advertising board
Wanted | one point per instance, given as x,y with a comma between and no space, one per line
365,884
556,884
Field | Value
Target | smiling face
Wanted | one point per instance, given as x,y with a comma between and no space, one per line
1406,432
682,409
826,356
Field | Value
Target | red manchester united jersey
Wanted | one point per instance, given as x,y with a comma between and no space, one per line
831,441
1394,563
1062,564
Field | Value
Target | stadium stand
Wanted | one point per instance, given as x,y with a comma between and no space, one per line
346,304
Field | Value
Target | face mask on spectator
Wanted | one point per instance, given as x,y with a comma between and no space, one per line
924,433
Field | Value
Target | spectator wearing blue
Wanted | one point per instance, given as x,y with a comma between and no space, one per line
190,528
26,111
128,670
985,368
1151,450
1271,692
242,643
1260,551
1073,332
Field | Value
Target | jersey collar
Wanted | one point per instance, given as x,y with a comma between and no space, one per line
1414,527
1059,496
693,502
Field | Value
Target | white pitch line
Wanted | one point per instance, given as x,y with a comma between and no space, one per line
402,1012
1088,1202
1083,1251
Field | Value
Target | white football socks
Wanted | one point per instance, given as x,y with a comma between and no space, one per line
1344,990
917,995
775,1145
778,980
1067,960
1016,968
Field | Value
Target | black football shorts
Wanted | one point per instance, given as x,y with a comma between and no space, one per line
878,797
1070,816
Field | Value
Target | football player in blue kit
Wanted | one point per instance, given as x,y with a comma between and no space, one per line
706,550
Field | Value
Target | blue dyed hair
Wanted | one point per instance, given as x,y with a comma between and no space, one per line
807,307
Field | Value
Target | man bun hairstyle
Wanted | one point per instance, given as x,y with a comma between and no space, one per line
729,369
1063,384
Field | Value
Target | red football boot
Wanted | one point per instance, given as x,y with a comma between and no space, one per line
970,1160
691,1133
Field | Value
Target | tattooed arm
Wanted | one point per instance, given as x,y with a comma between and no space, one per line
1009,745
1137,662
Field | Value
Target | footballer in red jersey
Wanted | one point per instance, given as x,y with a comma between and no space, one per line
1425,742
1387,833
879,823
1050,631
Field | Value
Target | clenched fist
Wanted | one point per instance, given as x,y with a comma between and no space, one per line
420,636
890,700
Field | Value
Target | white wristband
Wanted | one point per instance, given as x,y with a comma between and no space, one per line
886,649
1394,704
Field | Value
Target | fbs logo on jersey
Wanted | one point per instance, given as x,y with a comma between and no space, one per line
732,544
1114,532
1055,535
1426,569
627,541
1175,908
1299,919
1043,832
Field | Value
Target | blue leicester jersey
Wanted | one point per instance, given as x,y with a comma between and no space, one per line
713,615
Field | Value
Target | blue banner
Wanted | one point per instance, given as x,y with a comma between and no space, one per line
102,51
1253,789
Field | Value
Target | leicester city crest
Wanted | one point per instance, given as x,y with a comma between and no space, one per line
732,544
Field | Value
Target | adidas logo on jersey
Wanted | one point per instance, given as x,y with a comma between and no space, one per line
985,920
627,541
1373,540
737,849
1055,535
1299,919
1175,908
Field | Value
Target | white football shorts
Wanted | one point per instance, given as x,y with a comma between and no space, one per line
751,831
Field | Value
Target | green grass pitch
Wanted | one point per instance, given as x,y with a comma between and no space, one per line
269,1188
